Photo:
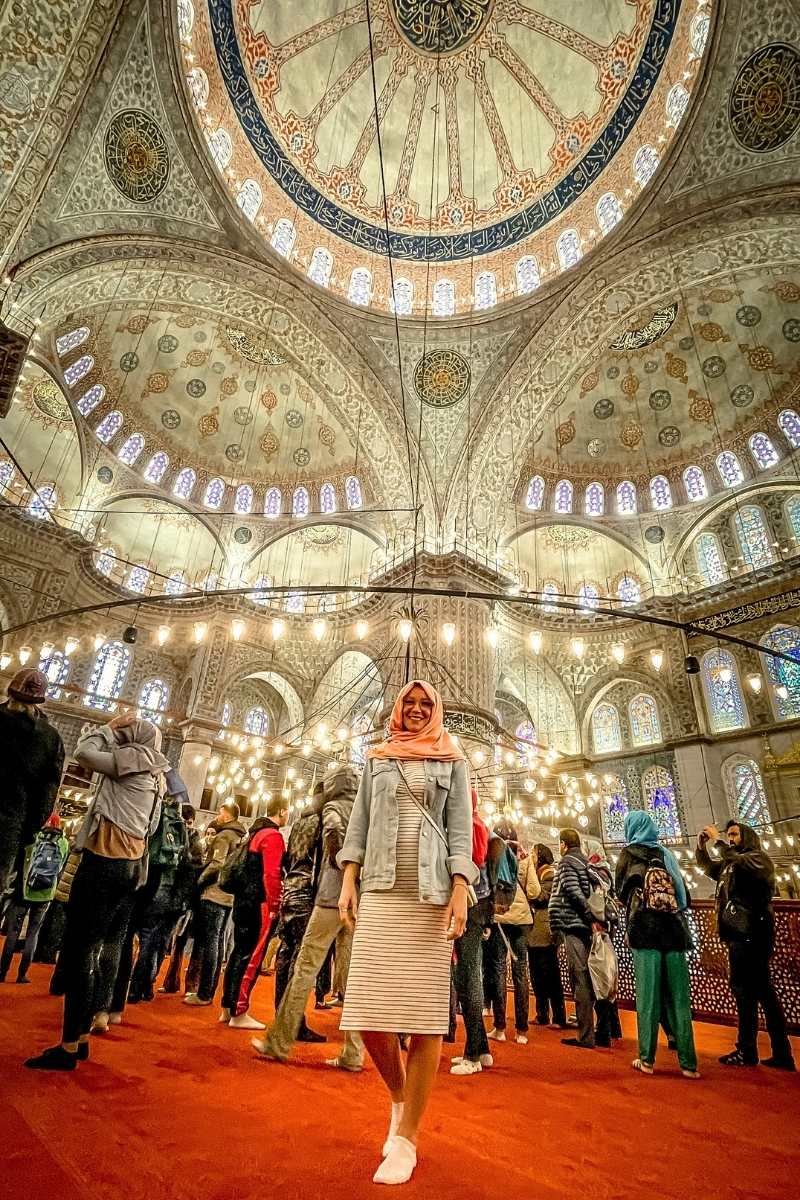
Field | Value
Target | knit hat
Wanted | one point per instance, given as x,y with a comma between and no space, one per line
28,686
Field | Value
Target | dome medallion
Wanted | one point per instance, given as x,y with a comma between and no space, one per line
440,26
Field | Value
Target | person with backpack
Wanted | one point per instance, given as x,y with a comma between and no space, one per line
253,876
543,964
511,922
34,888
468,966
745,879
650,884
215,904
572,919
602,876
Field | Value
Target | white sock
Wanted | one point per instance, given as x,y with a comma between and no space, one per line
399,1164
394,1125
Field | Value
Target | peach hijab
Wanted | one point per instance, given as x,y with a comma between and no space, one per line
433,741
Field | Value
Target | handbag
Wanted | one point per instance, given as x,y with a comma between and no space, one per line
472,897
736,921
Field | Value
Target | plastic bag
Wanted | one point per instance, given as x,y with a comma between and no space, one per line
603,967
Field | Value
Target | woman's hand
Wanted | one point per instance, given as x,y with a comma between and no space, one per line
457,910
348,898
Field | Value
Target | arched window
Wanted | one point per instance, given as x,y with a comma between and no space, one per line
789,423
677,103
110,668
197,82
360,289
300,503
595,501
615,809
352,491
626,498
176,584
751,532
256,721
589,595
138,578
90,400
209,582
130,449
110,424
527,273
185,19
723,694
660,494
709,560
695,483
56,668
153,700
643,717
272,502
43,502
609,212
563,496
221,148
745,789
763,451
783,674
485,290
730,471
645,165
70,341
568,248
184,484
606,732
444,298
402,301
629,590
156,469
261,594
243,501
327,498
249,198
295,602
792,510
214,493
550,588
658,789
227,714
525,736
283,237
6,474
104,561
79,368
535,494
698,32
320,267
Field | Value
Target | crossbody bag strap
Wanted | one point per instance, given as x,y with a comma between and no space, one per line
472,896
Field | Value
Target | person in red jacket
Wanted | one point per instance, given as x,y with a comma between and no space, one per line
255,914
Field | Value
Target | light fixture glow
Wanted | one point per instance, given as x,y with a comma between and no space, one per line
46,651
5,661
725,674
319,628
99,640
23,654
405,628
492,637
578,647
278,629
755,683
237,629
362,629
618,652
782,692
71,645
199,631
657,659
448,633
535,640
162,634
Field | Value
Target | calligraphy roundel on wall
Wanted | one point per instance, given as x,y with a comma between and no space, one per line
441,378
136,156
764,104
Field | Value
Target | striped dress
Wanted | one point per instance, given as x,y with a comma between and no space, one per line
399,978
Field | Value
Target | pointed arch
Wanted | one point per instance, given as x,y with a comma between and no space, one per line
723,692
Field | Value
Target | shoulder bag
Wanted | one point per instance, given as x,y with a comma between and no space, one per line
472,897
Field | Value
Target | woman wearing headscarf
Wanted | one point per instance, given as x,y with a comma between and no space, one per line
409,843
650,884
126,755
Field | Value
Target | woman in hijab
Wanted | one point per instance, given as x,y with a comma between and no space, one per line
650,884
409,843
126,755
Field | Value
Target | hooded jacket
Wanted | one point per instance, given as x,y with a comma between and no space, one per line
744,874
340,787
228,834
32,755
301,863
129,771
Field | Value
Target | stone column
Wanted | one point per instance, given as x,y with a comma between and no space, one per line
195,754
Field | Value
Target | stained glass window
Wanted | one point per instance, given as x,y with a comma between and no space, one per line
243,501
352,491
723,694
327,498
176,584
790,427
131,448
402,301
256,721
609,212
645,165
214,493
709,559
283,237
525,736
595,500
209,582
568,248
110,424
249,198
185,18
746,794
695,483
606,731
589,595
300,503
614,809
444,298
550,588
43,501
535,493
528,277
643,716
763,451
360,288
320,267
730,471
660,494
753,538
261,596
563,496
658,789
485,290
90,400
629,590
6,474
793,515
104,561
56,668
70,341
626,498
79,368
138,578
156,469
221,148
197,82
227,714
184,484
272,502
781,673
698,32
153,700
677,103
111,665
295,602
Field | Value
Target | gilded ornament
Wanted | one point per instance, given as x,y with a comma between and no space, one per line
631,435
700,407
590,382
157,381
269,443
442,378
229,385
565,432
440,27
269,401
710,331
630,383
195,358
187,320
255,351
720,295
327,437
48,399
787,291
136,156
656,327
208,424
136,324
676,367
760,358
764,102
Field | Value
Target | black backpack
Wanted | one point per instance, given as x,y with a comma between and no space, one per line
170,842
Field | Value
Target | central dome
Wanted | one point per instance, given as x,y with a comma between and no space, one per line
440,26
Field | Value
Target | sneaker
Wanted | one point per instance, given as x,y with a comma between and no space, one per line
465,1066
496,1035
54,1059
245,1021
780,1064
485,1060
522,1039
309,1035
193,999
737,1059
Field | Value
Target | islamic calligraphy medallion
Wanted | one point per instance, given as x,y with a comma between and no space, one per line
440,26
764,104
441,378
136,156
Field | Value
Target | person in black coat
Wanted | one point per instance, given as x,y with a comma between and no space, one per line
745,879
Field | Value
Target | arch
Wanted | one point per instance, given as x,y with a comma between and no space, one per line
109,672
243,499
153,698
351,685
327,498
283,237
562,497
568,248
272,502
723,692
320,267
485,290
764,453
751,533
352,491
789,423
708,557
56,667
130,449
90,399
534,496
729,468
606,728
660,493
608,211
780,673
645,165
791,511
444,298
644,720
402,301
360,288
594,500
256,721
744,788
70,341
214,493
694,481
249,199
184,483
156,469
109,426
287,692
300,502
527,275
79,368
658,790
626,498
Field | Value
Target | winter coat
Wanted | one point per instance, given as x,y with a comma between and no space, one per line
539,934
32,755
746,876
340,788
301,863
227,838
646,929
569,901
130,801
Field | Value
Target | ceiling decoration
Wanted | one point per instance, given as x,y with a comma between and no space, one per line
567,537
441,378
136,156
440,26
764,104
656,327
50,400
252,349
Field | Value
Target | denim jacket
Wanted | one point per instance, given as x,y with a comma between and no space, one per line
371,839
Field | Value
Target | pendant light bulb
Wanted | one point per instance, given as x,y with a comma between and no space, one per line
200,631
237,630
278,629
99,640
782,692
405,629
71,645
657,659
162,634
578,647
5,661
362,629
448,633
535,641
755,683
725,674
46,651
618,653
23,654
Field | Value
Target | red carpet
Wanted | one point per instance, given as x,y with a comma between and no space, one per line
175,1107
